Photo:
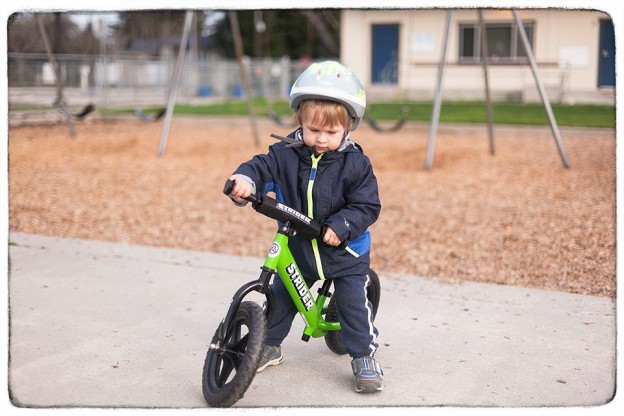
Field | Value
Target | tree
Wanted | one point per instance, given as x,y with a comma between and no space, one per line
295,33
65,36
151,32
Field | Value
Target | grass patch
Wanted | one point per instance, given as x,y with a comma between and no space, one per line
504,113
579,115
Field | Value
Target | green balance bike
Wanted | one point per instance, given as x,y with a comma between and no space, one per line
236,347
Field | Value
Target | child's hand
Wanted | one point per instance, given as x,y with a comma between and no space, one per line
330,237
241,190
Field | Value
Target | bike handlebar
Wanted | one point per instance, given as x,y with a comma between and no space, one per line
305,226
229,185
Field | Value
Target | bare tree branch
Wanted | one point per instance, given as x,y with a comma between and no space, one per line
321,29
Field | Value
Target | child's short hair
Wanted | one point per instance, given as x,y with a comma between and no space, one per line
322,113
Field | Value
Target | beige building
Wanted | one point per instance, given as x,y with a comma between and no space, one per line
397,53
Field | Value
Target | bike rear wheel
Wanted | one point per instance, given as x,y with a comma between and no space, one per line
373,294
230,367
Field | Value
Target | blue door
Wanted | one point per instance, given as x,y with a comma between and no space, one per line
385,54
606,60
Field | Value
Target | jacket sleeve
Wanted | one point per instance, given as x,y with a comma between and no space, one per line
362,206
261,169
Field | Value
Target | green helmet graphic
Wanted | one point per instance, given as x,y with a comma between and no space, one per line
332,81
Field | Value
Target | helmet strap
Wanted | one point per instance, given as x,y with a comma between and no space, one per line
350,123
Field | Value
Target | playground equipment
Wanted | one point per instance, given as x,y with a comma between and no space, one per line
143,116
277,119
238,45
175,81
395,127
60,99
438,91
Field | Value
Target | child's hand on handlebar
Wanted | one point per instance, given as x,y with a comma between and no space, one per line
241,189
330,237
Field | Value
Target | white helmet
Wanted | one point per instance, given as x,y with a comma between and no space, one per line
331,81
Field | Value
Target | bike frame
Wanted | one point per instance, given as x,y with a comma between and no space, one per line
280,261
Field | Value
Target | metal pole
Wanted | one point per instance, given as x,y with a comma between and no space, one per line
60,100
238,44
103,78
175,82
542,91
435,118
488,100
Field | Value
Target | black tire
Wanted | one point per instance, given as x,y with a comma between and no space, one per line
373,293
229,371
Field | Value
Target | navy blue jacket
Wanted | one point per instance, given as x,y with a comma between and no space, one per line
344,194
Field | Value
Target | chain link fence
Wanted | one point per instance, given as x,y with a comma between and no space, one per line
126,82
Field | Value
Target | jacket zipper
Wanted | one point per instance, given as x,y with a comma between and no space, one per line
317,256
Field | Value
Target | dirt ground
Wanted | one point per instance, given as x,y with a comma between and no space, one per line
516,218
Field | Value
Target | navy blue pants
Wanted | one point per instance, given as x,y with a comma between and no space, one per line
355,314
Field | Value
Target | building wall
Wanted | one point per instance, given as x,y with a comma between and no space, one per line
566,48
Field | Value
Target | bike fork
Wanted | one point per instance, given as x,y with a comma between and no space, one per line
262,286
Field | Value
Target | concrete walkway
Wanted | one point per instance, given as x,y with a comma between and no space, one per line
96,324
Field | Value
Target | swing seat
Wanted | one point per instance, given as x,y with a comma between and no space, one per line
88,109
375,126
276,118
148,118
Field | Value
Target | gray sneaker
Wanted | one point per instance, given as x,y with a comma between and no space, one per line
270,356
367,374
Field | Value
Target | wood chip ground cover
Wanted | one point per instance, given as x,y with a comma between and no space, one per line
516,218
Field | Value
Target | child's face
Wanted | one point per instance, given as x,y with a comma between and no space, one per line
322,138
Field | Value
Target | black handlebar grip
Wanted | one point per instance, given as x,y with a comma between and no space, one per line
229,185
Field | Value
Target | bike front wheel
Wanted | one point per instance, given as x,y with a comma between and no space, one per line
231,364
373,294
